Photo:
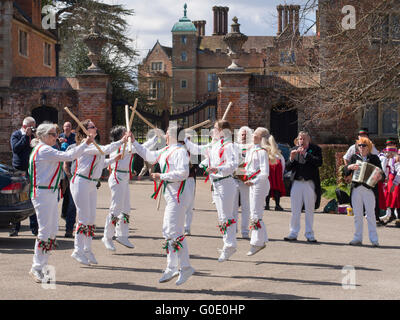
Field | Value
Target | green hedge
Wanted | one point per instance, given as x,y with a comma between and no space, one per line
328,170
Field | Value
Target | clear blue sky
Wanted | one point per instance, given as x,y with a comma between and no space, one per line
154,19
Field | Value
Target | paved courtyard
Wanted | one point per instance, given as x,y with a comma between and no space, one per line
329,269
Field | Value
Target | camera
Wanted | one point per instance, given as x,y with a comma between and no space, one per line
33,129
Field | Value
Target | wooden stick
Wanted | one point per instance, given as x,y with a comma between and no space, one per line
159,200
201,124
83,128
145,120
227,110
129,126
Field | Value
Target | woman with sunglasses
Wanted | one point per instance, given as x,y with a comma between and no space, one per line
87,173
362,195
45,171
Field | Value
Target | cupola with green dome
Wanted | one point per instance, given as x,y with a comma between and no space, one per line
184,24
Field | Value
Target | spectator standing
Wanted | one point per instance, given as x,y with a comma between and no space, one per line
20,146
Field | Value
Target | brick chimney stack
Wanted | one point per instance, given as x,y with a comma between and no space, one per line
220,20
201,27
288,19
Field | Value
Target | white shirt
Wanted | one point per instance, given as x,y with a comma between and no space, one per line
45,163
124,164
174,158
257,159
91,163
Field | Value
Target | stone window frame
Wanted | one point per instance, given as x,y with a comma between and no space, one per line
22,54
156,89
386,36
183,39
47,54
212,82
183,56
381,109
158,66
184,81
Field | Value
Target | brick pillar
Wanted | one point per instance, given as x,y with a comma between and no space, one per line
215,21
94,95
234,87
6,15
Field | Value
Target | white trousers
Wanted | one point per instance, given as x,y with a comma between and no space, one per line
361,198
173,224
46,208
258,192
120,206
224,196
302,192
244,192
84,193
191,185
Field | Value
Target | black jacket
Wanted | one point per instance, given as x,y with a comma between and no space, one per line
308,170
21,149
371,158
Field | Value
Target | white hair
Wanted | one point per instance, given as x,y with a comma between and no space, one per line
28,120
41,131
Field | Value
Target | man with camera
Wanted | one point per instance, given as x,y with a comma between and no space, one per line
21,149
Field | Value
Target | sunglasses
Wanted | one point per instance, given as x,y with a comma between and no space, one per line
92,128
362,145
52,134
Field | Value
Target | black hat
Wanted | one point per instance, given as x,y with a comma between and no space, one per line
363,131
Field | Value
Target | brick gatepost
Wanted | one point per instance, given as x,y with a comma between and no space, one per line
234,87
94,92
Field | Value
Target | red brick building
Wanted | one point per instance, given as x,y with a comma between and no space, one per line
270,63
29,83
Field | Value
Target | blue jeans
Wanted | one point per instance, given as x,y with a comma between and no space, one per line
69,209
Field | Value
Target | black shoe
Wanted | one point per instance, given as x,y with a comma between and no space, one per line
278,208
35,232
312,240
380,223
13,233
266,207
68,234
289,239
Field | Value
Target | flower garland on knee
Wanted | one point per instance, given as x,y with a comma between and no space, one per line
48,245
91,230
82,229
125,218
165,246
177,243
255,224
114,220
224,226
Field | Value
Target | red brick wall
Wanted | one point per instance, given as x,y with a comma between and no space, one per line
33,64
95,103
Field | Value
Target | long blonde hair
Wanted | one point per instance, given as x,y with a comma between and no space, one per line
269,144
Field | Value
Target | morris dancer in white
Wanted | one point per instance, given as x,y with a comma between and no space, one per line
44,170
121,171
242,146
221,166
88,169
174,163
257,171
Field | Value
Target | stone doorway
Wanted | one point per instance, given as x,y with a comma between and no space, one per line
284,124
45,113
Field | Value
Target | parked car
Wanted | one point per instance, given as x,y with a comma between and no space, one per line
15,204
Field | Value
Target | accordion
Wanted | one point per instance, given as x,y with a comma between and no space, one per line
367,174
